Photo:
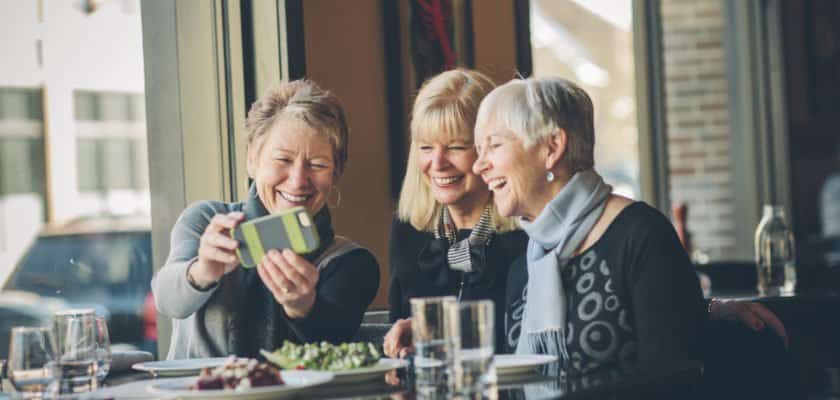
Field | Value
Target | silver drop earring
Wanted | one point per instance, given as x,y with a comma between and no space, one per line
549,176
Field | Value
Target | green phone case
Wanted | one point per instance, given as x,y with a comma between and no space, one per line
290,229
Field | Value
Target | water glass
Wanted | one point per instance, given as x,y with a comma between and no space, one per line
432,346
470,324
103,349
32,366
75,333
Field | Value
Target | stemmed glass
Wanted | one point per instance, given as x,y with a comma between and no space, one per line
103,349
32,366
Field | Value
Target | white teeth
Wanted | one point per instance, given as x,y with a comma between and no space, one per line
292,198
496,183
446,180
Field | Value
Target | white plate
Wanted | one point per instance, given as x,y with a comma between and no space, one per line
512,364
179,367
295,382
369,373
360,374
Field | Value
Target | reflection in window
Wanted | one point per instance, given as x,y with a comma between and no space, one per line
591,43
111,152
22,173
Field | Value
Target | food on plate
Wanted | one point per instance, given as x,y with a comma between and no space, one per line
324,356
238,374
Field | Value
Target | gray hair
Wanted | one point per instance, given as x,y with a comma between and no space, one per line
535,108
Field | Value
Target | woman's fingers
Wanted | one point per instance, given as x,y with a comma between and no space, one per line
405,351
397,341
216,255
770,318
389,343
275,275
267,281
220,222
301,266
744,313
288,272
219,240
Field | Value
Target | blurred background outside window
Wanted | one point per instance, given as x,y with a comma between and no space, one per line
74,190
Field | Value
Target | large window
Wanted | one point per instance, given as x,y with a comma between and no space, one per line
74,187
591,43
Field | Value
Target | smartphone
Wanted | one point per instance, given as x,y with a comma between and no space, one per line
290,229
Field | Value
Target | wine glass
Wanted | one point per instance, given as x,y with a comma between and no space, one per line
32,366
103,349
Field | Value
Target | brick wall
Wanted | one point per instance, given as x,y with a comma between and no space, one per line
697,119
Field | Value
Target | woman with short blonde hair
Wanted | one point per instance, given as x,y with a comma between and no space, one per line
297,151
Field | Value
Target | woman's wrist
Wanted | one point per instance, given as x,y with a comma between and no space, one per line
199,280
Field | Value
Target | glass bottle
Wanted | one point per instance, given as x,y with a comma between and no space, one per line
775,253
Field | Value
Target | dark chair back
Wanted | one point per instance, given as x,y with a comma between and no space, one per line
730,276
373,333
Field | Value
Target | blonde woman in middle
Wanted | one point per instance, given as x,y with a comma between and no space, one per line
447,238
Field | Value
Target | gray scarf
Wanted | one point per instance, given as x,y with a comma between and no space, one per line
553,238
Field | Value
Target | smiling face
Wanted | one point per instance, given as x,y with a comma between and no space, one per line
292,165
447,170
515,174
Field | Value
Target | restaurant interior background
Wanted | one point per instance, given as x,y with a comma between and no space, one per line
116,114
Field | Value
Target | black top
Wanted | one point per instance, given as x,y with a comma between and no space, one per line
632,298
419,269
346,286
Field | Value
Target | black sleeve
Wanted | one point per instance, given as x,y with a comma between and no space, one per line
346,287
395,301
667,303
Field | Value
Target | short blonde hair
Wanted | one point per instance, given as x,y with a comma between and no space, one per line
446,107
535,108
307,102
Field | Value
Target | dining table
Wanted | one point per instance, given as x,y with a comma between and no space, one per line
675,381
810,320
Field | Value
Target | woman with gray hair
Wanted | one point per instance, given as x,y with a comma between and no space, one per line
607,283
297,150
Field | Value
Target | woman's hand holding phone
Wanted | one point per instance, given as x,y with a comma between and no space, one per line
291,279
217,250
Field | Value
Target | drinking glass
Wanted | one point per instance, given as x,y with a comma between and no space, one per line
103,349
470,325
75,333
2,373
432,346
32,367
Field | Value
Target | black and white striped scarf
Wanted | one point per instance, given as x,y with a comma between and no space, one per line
458,254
